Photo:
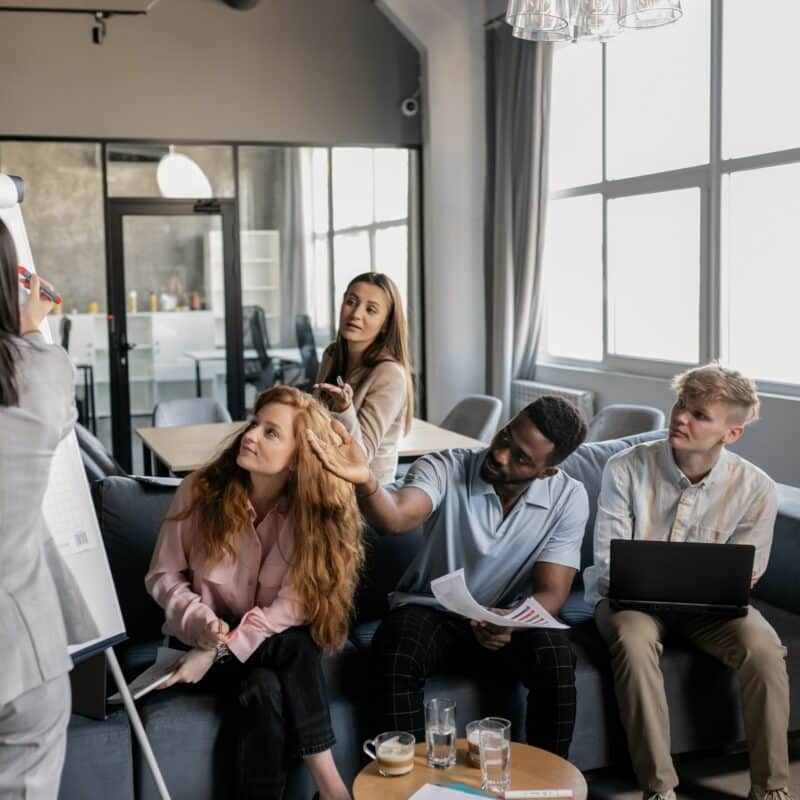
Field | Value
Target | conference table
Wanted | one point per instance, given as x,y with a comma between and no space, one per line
184,448
290,355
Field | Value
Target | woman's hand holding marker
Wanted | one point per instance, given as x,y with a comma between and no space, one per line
338,397
39,303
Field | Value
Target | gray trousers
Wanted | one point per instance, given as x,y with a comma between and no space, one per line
33,740
747,644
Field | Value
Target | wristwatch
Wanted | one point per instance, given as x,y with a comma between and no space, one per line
222,653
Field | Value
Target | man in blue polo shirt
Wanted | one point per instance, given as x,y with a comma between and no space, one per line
514,522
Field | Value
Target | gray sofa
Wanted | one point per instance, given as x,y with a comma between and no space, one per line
183,724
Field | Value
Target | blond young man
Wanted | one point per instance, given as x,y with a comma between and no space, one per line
689,487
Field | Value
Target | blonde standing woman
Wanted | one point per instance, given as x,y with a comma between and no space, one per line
370,356
255,567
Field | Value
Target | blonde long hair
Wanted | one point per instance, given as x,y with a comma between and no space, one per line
326,525
391,344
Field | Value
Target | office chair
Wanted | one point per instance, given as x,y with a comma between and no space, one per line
189,411
98,463
263,371
475,416
617,421
307,377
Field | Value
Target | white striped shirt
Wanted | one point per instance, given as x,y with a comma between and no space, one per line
644,495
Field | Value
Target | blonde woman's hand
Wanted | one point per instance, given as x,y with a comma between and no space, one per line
36,306
337,399
216,632
191,667
347,460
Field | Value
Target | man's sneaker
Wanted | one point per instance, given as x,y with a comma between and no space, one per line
669,794
757,793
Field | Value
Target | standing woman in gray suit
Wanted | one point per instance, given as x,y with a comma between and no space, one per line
37,409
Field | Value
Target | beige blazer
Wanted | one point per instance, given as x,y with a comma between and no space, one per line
376,415
33,635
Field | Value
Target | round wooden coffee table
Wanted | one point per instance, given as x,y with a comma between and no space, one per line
531,768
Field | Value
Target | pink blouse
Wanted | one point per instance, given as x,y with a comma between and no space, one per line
254,591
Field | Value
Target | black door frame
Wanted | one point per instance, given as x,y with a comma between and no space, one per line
118,347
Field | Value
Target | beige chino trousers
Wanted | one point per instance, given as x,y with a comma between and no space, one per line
747,644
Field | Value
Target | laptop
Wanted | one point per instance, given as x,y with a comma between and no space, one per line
693,577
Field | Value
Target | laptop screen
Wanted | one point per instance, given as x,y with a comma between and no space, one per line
681,572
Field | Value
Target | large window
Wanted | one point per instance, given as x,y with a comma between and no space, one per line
672,232
370,215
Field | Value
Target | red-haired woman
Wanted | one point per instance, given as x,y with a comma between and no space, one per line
255,567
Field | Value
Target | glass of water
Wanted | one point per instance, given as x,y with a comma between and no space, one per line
440,732
494,742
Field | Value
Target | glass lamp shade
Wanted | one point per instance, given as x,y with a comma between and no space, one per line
178,176
648,13
597,20
563,35
528,17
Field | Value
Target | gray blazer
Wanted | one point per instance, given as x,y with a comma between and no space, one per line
33,631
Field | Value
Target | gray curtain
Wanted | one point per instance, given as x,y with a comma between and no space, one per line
295,237
518,105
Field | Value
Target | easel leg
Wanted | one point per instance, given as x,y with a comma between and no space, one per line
138,729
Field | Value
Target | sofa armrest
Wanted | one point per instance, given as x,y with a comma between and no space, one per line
778,585
130,511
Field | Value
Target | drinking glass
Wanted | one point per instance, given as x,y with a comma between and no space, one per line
494,742
440,732
393,751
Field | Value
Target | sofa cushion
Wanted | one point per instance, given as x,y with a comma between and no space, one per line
586,465
576,610
387,558
130,511
778,585
99,759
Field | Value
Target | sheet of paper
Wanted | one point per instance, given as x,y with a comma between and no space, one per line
430,791
152,676
452,592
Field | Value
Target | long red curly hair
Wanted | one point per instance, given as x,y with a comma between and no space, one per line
325,521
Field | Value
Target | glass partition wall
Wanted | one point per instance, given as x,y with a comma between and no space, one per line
199,320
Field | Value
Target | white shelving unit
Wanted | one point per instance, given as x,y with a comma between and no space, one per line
157,370
261,279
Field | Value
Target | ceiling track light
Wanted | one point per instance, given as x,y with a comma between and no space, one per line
99,15
99,29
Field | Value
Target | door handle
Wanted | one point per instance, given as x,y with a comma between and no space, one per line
124,348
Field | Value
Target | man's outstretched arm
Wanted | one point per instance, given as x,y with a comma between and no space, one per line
393,512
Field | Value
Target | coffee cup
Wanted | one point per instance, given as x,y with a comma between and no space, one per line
393,751
473,743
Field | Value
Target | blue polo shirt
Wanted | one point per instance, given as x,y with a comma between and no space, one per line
466,530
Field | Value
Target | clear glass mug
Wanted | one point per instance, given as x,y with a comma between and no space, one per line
440,732
494,743
473,746
393,751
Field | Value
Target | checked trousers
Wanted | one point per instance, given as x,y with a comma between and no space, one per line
415,641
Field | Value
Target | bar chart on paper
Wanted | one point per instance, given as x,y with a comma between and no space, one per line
452,592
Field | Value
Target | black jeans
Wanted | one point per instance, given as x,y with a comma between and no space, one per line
278,703
414,642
